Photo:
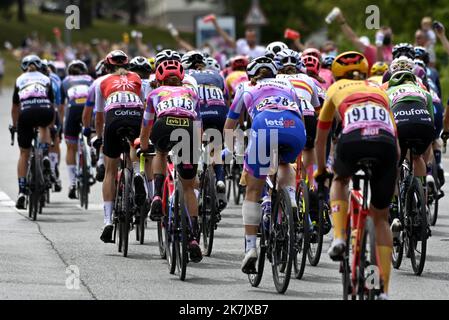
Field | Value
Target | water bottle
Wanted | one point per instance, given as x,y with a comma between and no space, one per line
332,15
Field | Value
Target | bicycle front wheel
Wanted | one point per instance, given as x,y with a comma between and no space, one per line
255,279
208,214
316,238
417,225
181,233
398,244
302,227
282,239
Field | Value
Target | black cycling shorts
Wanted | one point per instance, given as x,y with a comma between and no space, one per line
32,118
415,126
160,137
73,123
351,148
310,122
115,120
213,117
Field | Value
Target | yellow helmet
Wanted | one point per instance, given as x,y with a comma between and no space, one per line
347,62
152,61
379,68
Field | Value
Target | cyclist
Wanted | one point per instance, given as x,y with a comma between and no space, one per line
101,72
400,50
326,72
74,92
368,130
237,75
170,107
212,64
32,106
313,66
274,108
213,108
413,112
290,67
273,48
119,103
378,69
54,149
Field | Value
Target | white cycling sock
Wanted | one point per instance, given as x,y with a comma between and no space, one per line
100,159
136,167
197,193
250,242
107,212
53,161
150,189
72,174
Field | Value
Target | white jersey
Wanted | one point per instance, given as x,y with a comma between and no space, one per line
33,89
306,90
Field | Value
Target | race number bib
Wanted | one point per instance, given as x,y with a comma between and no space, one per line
78,94
33,90
211,94
307,108
176,103
367,116
406,91
123,98
276,102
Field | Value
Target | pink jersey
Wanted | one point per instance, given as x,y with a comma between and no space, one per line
172,101
327,76
321,90
306,90
267,94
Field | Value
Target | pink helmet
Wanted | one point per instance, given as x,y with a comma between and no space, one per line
312,52
169,68
312,64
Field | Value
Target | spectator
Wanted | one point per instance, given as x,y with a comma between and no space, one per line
441,34
382,51
423,38
247,46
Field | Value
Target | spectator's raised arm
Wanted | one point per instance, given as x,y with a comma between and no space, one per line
349,33
227,38
441,33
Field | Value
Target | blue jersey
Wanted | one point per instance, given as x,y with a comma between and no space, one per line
74,90
56,86
210,88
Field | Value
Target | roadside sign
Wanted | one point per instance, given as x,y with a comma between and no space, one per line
205,31
255,16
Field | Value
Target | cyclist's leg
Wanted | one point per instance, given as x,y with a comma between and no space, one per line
72,129
308,154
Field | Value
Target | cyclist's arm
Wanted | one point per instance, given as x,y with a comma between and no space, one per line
324,125
62,105
15,107
99,118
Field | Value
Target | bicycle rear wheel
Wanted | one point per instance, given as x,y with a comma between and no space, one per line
368,277
282,240
432,203
236,188
398,247
316,238
417,224
208,211
140,229
162,225
181,233
345,269
255,279
302,227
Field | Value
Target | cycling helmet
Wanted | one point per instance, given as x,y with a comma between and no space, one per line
29,60
327,62
52,66
76,67
261,62
311,63
401,76
402,64
288,57
152,62
238,62
212,64
420,63
117,58
422,54
379,68
274,47
44,69
167,55
192,58
169,68
348,62
100,68
312,52
140,63
403,49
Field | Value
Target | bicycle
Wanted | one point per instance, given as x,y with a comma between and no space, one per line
36,181
359,266
302,223
434,194
413,217
277,243
177,227
124,207
84,177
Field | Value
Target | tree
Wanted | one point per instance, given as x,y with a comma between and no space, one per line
86,13
21,11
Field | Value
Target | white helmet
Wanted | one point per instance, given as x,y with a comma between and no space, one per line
288,57
402,64
212,64
140,63
261,62
167,55
191,58
274,47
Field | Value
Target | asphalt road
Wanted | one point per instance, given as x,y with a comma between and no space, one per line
34,256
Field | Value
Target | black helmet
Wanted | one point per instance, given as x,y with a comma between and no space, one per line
422,54
76,67
404,49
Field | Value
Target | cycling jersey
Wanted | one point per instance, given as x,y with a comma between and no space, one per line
233,80
327,76
172,101
321,90
75,90
306,90
56,84
33,89
146,89
90,102
361,105
119,91
267,94
210,88
410,92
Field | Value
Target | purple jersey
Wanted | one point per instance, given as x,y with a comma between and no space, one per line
75,89
172,101
278,94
